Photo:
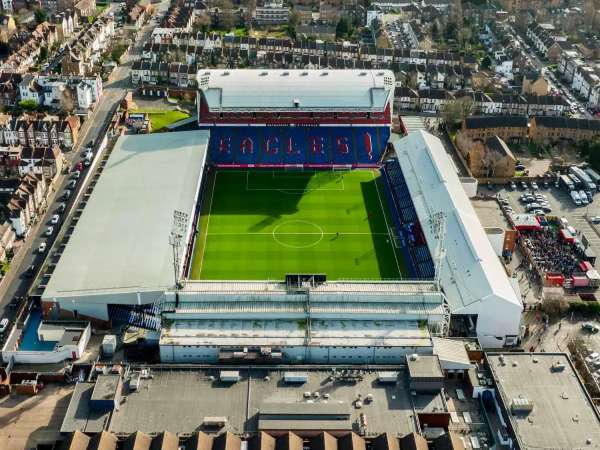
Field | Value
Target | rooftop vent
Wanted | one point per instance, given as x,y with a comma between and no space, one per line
285,74
264,74
304,74
324,74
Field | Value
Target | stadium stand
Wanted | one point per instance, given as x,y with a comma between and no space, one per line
141,316
411,237
297,145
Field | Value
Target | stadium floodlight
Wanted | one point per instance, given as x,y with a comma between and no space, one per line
176,238
437,227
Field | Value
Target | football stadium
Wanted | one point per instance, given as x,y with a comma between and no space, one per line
291,227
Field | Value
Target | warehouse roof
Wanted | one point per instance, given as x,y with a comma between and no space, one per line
121,240
563,415
296,89
472,276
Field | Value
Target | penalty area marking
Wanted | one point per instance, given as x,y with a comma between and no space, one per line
320,234
293,191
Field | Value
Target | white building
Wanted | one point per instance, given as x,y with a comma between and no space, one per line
477,288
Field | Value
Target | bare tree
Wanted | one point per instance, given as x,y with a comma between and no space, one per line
455,111
67,100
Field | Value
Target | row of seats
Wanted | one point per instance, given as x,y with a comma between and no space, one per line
297,145
141,316
406,219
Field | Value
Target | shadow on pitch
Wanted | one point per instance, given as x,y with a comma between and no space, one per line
267,195
375,216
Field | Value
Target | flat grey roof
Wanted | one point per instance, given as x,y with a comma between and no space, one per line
562,416
424,366
79,416
121,241
178,401
106,387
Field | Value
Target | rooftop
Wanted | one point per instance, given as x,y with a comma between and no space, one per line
121,241
169,401
563,415
288,89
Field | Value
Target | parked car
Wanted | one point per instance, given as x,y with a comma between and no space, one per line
590,327
523,185
76,174
30,272
592,356
596,219
71,184
3,325
42,247
513,185
534,186
61,208
49,231
519,167
67,194
54,219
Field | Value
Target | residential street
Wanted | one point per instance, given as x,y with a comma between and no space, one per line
15,283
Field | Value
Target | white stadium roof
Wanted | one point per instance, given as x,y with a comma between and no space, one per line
472,276
352,90
120,244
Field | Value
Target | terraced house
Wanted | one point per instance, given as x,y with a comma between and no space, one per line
36,131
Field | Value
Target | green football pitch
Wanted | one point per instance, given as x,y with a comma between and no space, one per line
260,225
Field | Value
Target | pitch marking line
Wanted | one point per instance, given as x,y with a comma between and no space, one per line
212,193
266,233
294,191
321,233
386,223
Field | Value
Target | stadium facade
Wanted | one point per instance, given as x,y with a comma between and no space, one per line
280,119
314,118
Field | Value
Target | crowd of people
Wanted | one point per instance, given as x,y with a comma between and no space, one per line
549,253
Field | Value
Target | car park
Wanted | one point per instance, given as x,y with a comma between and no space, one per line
42,247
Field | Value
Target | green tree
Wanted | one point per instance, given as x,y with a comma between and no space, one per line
43,53
343,28
486,63
28,105
435,31
593,153
293,22
40,15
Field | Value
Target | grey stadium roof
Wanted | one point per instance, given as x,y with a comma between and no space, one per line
311,89
121,241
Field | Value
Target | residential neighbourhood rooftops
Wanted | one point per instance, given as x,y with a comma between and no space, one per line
475,122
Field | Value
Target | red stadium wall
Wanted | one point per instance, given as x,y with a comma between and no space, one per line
207,118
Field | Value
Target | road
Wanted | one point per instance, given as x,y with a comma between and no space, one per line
15,283
554,82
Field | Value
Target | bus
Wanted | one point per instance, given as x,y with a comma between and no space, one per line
566,183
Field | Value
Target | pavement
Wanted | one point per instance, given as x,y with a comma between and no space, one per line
14,284
26,420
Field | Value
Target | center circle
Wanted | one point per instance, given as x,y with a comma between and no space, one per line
298,234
